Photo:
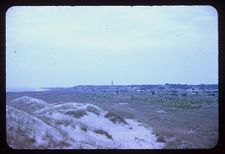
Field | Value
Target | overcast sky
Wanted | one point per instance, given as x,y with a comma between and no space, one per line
68,46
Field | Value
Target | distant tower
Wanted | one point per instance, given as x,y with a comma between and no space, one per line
111,83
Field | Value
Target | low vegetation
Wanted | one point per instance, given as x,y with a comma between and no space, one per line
76,113
93,110
64,122
102,132
115,118
18,134
83,127
52,143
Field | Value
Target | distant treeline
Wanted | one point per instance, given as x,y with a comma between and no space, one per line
149,87
186,86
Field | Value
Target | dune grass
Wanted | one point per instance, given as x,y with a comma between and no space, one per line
115,118
103,132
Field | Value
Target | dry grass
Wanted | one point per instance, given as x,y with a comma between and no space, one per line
83,127
76,113
102,132
115,118
17,138
93,110
161,139
64,122
53,144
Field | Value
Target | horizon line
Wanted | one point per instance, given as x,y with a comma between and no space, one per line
112,85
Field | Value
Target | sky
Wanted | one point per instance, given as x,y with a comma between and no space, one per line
93,45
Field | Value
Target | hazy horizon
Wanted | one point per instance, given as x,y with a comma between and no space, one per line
69,46
105,85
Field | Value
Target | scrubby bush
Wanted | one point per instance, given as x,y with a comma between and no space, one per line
17,138
63,144
93,110
83,127
64,122
161,139
115,118
53,144
102,132
76,113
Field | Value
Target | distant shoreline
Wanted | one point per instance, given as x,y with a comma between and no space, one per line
26,89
